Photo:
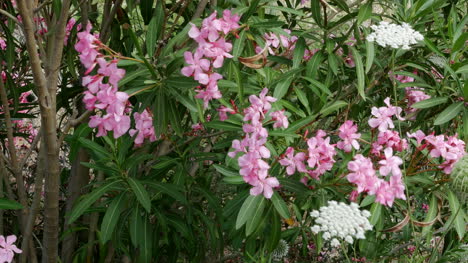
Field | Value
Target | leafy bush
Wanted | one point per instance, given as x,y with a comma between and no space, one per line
234,131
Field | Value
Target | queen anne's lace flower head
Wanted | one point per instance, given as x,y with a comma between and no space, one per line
395,36
341,221
281,250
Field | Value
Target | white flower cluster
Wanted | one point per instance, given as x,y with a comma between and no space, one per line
339,220
393,35
281,250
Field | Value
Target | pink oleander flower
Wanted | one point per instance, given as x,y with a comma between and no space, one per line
252,167
69,28
347,132
414,95
143,128
425,207
3,45
391,164
110,69
265,186
8,249
218,50
198,67
320,154
353,196
119,124
197,127
86,46
386,139
362,174
210,93
418,135
288,41
293,162
230,21
281,121
223,111
384,115
262,102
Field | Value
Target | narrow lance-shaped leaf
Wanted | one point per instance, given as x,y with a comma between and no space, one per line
280,206
140,192
247,210
90,198
359,72
112,217
449,113
256,217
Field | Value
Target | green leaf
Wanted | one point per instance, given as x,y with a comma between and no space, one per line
280,206
234,179
334,107
248,209
250,11
313,65
135,226
282,88
365,12
254,220
449,113
268,24
431,214
154,28
133,75
359,72
316,11
174,118
112,217
460,42
223,125
285,9
274,235
433,47
146,10
145,242
225,170
140,193
87,200
238,46
318,84
95,148
299,52
370,54
367,200
295,126
169,189
424,104
185,100
293,185
458,214
6,204
376,213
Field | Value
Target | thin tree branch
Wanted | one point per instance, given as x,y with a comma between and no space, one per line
73,123
4,12
31,149
199,11
107,22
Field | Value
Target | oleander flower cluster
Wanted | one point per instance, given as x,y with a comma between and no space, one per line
341,221
253,165
394,36
412,95
8,248
449,148
362,171
212,49
102,95
320,153
273,42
